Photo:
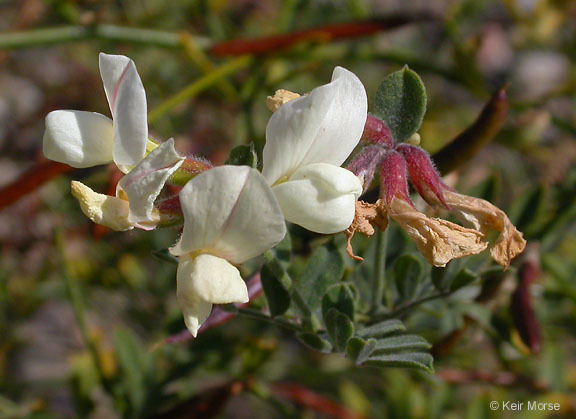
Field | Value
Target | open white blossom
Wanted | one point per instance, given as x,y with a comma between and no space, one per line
133,205
230,216
84,139
307,139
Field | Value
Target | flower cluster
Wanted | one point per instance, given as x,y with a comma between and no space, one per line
230,213
438,240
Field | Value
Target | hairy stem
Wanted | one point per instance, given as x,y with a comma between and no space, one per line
379,277
254,314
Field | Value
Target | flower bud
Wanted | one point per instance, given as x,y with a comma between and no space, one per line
281,97
522,308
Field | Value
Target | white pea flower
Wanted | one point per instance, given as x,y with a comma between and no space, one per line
84,139
230,216
133,205
307,139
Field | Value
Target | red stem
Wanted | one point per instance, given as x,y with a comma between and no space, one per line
219,316
303,396
31,180
326,33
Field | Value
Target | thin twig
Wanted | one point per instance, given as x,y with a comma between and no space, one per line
379,280
198,86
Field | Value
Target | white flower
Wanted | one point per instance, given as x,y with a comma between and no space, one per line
307,139
230,216
133,205
84,139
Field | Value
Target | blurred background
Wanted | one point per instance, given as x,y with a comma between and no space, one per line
84,312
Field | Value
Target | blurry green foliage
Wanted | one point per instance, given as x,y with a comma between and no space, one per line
119,364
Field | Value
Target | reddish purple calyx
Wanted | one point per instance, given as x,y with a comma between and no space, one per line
376,132
424,175
170,206
195,165
393,178
365,164
397,162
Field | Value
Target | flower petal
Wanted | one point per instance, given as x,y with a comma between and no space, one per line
143,184
105,210
320,197
231,212
203,281
438,240
484,216
79,139
127,100
322,127
111,69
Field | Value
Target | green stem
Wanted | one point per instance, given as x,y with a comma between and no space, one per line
409,306
274,265
379,277
77,302
198,86
246,312
57,35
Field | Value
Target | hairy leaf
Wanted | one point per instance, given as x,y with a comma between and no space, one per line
339,327
417,360
359,349
277,295
407,275
324,269
401,343
316,342
401,103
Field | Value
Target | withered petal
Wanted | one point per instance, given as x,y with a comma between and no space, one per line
485,217
365,218
438,240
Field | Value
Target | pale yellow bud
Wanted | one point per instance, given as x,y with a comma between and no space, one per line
281,97
414,139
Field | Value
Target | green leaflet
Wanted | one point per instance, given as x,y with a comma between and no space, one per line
401,103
